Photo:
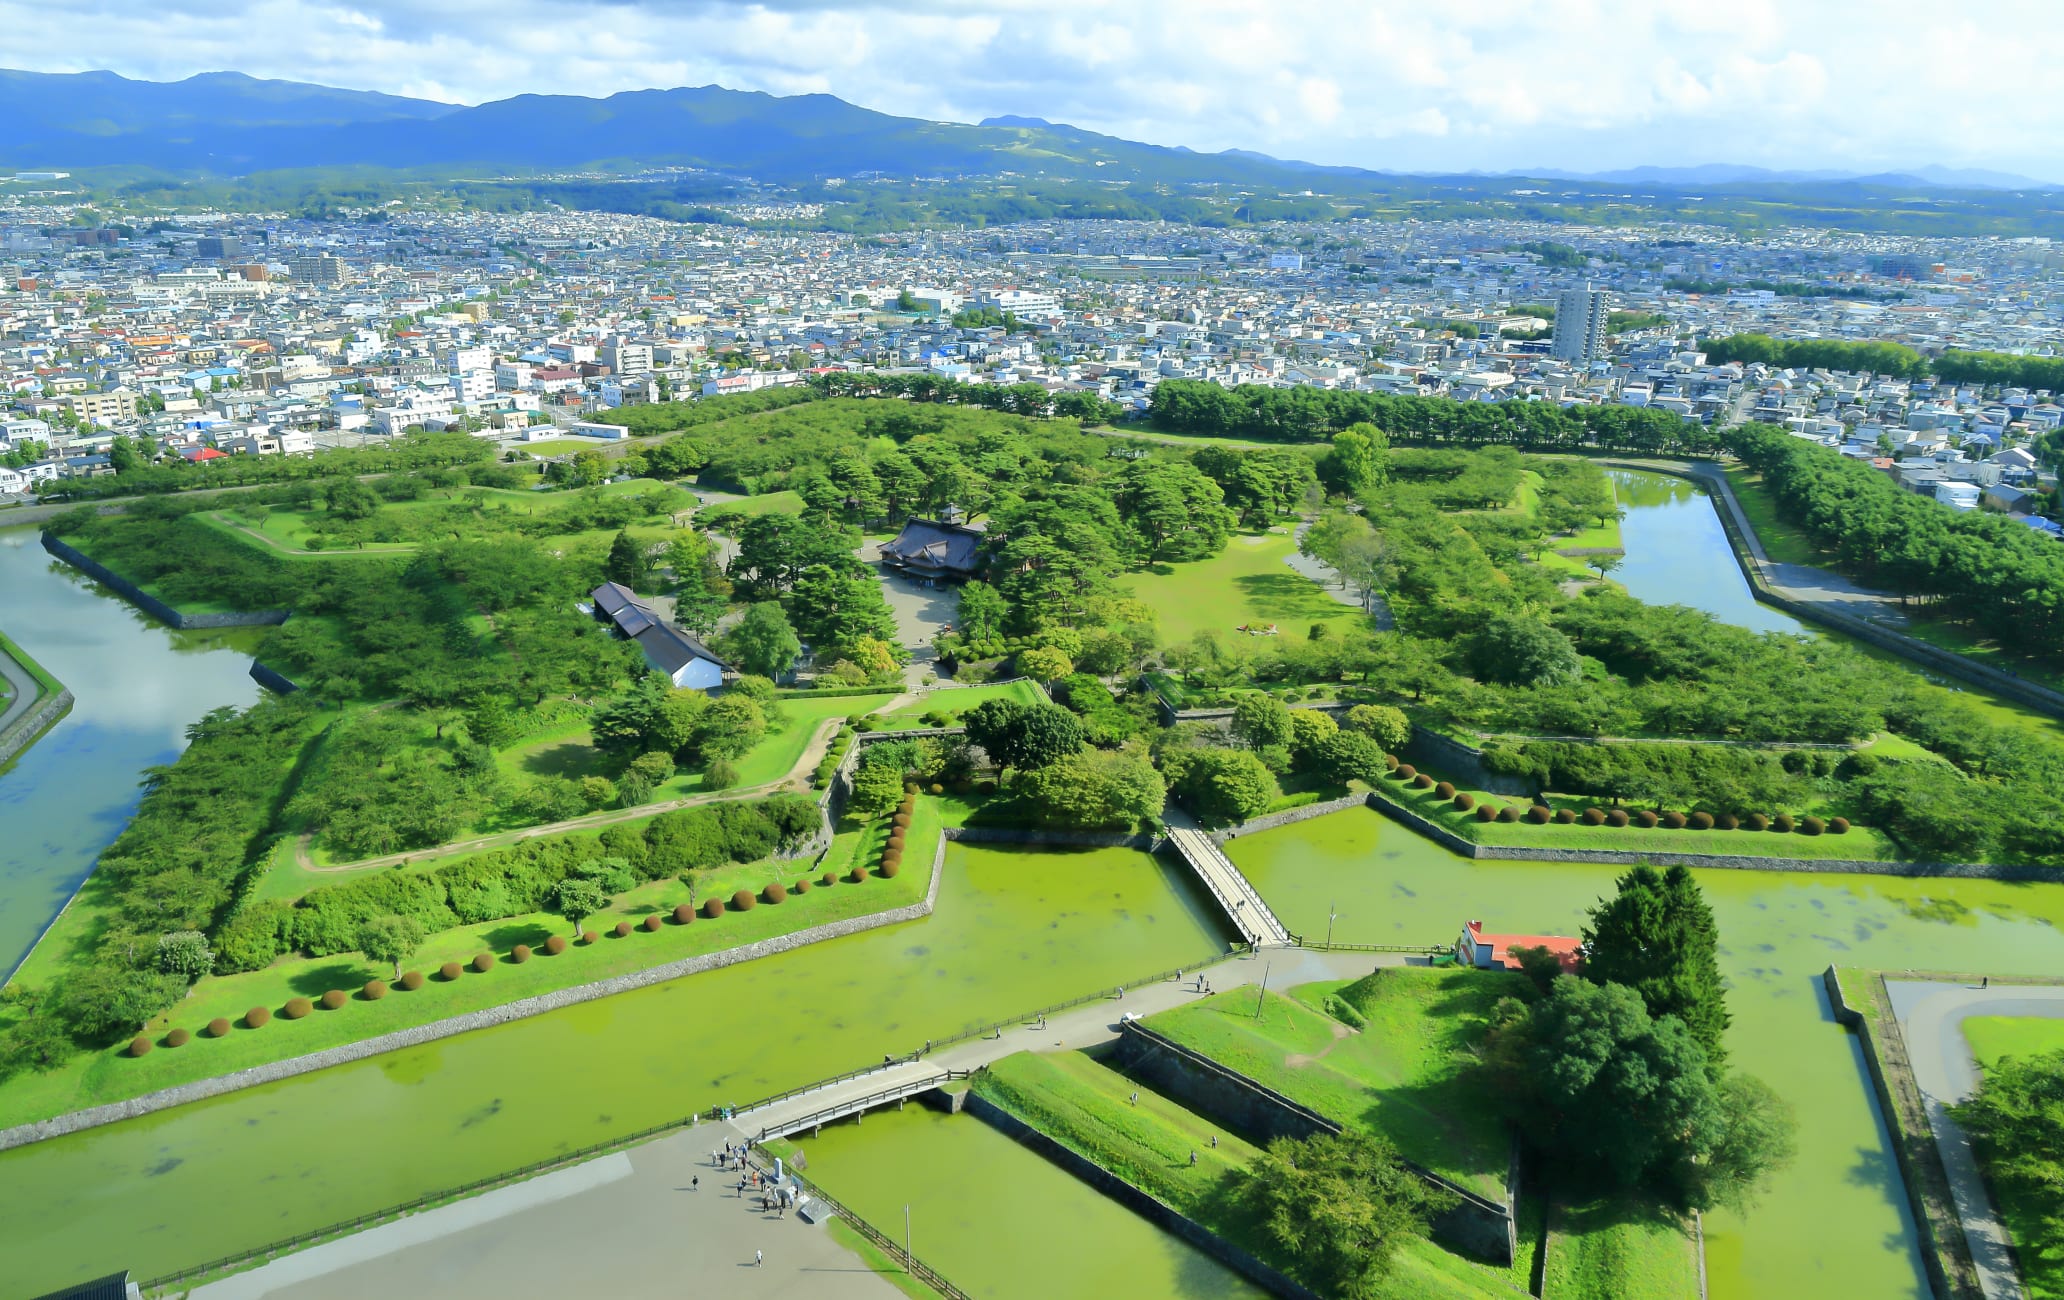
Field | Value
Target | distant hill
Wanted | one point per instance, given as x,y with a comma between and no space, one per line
228,124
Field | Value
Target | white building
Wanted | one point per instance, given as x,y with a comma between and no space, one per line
1580,324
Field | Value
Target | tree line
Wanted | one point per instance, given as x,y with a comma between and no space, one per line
1880,357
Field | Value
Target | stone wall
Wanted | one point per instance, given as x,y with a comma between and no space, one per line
1138,1200
115,1112
1261,1114
1463,763
1290,817
150,604
25,729
1074,839
272,679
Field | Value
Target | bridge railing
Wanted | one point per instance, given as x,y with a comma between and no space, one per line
881,1241
854,1105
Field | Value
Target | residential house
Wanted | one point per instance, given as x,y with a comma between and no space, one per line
685,660
1494,951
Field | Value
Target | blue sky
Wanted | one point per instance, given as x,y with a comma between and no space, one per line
1576,84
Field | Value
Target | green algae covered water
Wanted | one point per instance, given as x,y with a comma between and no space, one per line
137,684
1836,1222
1001,1222
1014,930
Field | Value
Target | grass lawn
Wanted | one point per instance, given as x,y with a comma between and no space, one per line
767,503
1783,542
565,446
1859,844
46,685
1086,1107
112,1075
1400,1076
957,700
1248,583
1618,1250
1993,1037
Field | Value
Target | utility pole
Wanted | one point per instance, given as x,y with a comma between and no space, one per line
1330,915
1258,999
907,1257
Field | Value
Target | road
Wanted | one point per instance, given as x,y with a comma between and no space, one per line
1931,1016
630,1218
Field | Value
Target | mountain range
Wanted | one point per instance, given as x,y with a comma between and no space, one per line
226,123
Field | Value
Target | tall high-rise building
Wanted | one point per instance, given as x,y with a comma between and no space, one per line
1580,324
318,268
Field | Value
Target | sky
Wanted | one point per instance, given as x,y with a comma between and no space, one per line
1579,85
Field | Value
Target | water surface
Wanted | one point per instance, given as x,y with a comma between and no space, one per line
138,684
1677,553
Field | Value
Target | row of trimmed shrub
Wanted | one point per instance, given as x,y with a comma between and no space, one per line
1540,815
891,860
834,755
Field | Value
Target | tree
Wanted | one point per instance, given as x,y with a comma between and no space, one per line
729,727
185,953
1357,460
488,722
836,605
1096,789
1261,721
350,500
1045,734
578,898
877,785
1350,756
1605,562
763,643
1657,936
1221,785
1381,723
1309,731
1044,664
2016,1120
1520,650
626,563
1340,1205
390,939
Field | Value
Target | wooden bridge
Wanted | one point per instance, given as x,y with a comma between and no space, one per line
1235,893
840,1098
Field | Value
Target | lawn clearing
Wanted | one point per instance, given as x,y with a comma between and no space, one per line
1783,542
1994,1037
956,700
1088,1108
1247,583
1618,1250
1401,1076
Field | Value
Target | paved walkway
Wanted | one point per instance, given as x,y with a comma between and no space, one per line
1931,1017
626,1225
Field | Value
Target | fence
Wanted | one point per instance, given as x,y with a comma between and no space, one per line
855,1105
345,1227
912,1265
1414,949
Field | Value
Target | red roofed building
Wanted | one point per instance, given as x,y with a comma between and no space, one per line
1494,951
202,453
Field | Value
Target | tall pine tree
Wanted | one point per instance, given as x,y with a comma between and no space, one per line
1657,936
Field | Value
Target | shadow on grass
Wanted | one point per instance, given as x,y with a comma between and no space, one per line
1287,595
319,980
504,937
569,758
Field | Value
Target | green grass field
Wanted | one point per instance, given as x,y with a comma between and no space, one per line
1993,1037
785,503
1400,1076
1783,542
1617,1250
1247,583
957,700
1087,1107
1858,844
111,1075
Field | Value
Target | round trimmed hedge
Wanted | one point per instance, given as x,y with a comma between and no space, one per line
1486,812
374,990
1445,789
258,1017
712,908
483,962
1811,826
1646,820
936,788
1838,826
297,1008
1464,802
623,929
1783,824
775,893
1727,821
1594,816
856,875
743,901
684,913
1674,820
888,870
218,1027
802,886
177,1038
1757,822
1565,817
1702,821
588,937
1508,813
555,945
651,922
1617,818
449,971
140,1045
901,821
412,981
1404,771
1538,815
520,953
1390,762
1422,782
335,999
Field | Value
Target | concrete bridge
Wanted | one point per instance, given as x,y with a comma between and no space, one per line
813,1108
1234,892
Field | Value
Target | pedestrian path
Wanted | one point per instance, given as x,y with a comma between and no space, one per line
1235,893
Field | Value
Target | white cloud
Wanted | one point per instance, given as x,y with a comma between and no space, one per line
1382,83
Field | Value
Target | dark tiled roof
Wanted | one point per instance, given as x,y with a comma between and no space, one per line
929,544
668,648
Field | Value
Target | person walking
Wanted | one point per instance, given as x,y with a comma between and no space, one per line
758,1259
695,1183
1193,1157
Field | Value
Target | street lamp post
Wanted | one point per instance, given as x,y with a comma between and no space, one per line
1330,914
908,1259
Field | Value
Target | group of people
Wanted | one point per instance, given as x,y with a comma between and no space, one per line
731,1157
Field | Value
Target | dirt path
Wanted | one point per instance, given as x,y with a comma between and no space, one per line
1297,1060
796,779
